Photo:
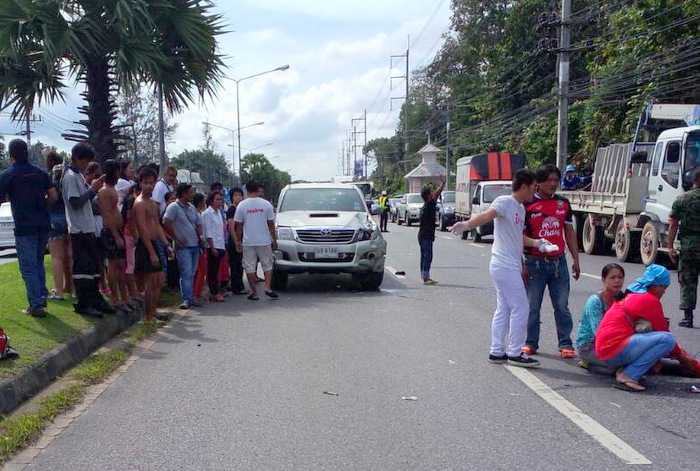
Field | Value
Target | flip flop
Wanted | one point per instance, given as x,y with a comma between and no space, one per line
625,386
253,297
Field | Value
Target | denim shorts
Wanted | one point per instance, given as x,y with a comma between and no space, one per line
59,226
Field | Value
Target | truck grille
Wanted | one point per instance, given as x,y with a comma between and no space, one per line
322,236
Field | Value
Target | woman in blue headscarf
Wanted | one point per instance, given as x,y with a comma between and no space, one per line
633,336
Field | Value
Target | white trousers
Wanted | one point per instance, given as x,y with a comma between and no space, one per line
509,325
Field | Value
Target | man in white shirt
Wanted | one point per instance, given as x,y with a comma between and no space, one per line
165,185
254,223
509,325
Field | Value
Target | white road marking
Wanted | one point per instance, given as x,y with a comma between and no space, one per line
478,246
594,429
588,275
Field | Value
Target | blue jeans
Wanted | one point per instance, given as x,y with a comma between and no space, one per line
187,260
553,274
642,352
426,257
30,253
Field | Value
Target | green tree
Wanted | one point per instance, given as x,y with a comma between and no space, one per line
109,45
257,168
211,166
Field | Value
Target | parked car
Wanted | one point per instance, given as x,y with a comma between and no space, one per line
7,227
446,210
410,208
373,206
394,207
327,228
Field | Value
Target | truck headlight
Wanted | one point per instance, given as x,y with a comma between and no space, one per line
285,233
368,231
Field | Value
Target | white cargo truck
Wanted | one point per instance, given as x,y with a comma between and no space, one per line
635,184
481,179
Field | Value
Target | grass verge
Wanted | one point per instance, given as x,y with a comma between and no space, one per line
18,432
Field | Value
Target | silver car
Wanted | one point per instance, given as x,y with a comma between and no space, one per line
326,228
7,227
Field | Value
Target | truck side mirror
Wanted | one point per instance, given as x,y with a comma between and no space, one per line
640,157
475,200
688,180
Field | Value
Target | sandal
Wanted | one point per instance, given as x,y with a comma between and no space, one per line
627,384
529,350
567,353
253,297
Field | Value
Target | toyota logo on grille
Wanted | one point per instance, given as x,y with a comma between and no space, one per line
326,232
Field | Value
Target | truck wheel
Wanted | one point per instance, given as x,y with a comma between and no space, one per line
279,280
408,221
398,219
372,281
649,244
477,235
593,237
626,243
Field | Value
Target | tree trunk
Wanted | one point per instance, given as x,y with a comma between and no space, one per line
100,109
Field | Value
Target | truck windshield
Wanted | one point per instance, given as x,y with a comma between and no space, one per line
692,151
491,192
322,199
413,199
448,197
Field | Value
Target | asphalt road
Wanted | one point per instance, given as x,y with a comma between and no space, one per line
241,386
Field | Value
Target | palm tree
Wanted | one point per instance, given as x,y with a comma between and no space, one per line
109,45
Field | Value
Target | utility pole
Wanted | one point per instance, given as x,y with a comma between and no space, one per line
355,146
447,149
406,78
364,147
161,130
564,63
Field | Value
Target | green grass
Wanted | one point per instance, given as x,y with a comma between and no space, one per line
33,337
18,432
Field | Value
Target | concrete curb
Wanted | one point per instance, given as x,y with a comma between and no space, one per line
30,381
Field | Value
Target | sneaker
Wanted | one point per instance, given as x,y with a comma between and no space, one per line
523,362
430,282
529,350
88,311
38,312
55,297
272,294
498,359
253,297
184,306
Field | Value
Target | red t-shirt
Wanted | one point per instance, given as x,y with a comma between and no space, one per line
617,326
546,219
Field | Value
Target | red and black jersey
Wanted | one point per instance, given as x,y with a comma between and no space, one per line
546,219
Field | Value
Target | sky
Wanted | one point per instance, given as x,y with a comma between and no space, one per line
338,53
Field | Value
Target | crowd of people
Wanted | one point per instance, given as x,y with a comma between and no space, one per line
621,331
117,234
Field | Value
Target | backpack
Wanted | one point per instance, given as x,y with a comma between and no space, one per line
6,352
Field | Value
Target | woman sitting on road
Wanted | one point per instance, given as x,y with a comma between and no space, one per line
613,277
633,335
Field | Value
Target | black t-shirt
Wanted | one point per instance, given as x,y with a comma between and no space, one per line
26,186
427,221
230,212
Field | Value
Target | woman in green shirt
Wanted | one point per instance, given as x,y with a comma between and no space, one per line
613,277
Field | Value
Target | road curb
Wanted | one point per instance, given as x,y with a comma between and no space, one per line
14,391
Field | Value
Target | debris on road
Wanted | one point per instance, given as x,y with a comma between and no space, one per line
695,389
452,362
400,273
409,398
330,393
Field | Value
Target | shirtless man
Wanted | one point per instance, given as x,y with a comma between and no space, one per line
148,265
111,237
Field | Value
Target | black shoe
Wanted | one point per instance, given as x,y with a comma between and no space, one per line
523,362
687,321
272,294
253,297
498,359
38,312
88,311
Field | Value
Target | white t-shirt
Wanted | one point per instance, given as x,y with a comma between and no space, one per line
214,228
254,214
507,249
159,192
123,186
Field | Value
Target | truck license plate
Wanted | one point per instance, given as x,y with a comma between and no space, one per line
326,252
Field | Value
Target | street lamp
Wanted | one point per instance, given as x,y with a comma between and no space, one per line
233,138
238,101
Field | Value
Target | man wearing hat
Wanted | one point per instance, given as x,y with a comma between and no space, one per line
571,181
383,211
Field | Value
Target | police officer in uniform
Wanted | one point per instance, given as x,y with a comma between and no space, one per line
383,211
686,214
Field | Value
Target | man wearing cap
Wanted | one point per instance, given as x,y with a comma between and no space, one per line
383,211
684,220
571,181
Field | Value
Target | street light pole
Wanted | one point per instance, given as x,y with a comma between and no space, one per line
238,105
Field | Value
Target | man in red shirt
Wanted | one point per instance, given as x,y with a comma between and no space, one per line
549,217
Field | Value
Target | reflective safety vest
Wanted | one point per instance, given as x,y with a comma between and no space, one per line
383,202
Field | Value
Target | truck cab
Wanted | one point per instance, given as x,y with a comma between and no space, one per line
484,194
673,162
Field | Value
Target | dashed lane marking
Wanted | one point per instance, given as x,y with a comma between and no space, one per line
595,430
